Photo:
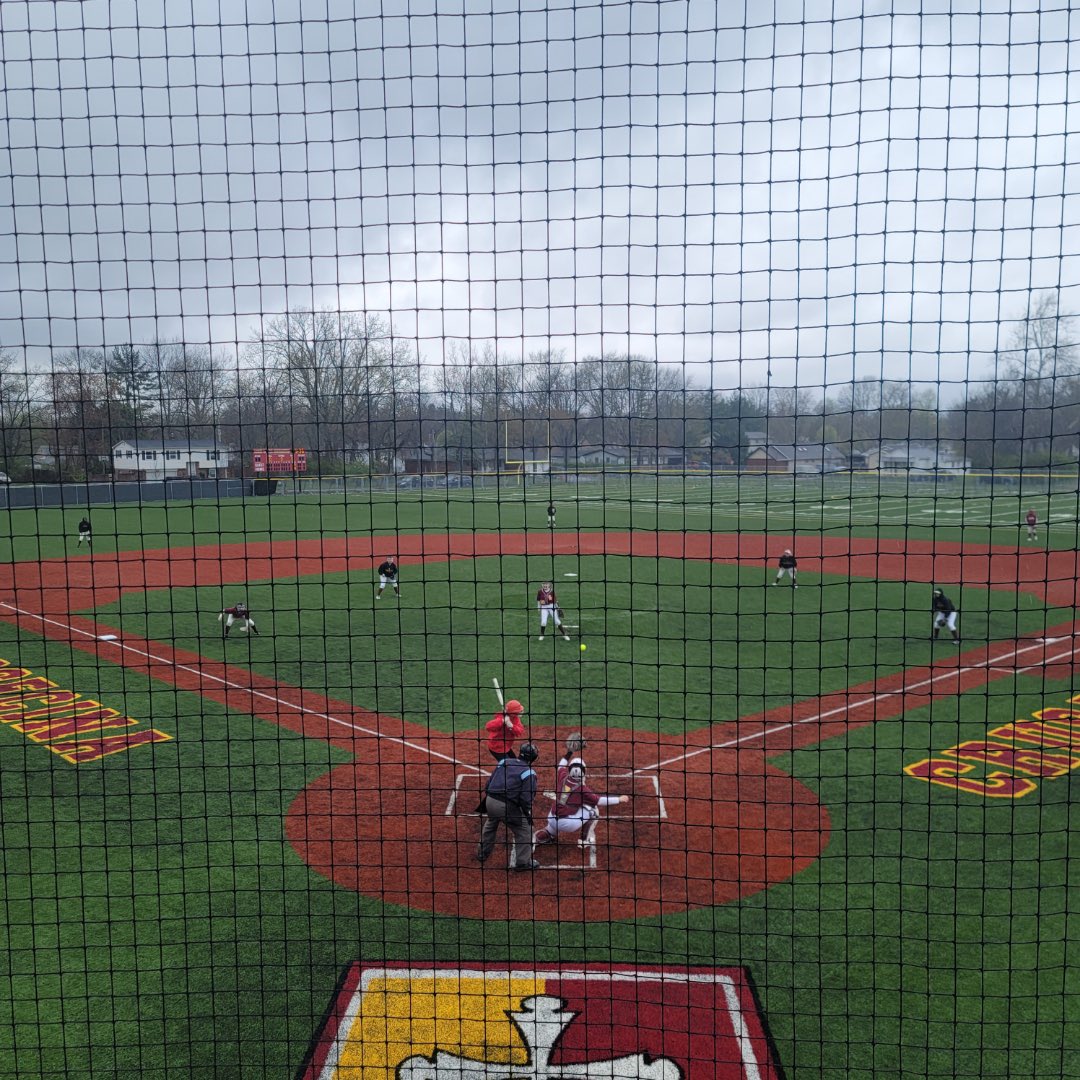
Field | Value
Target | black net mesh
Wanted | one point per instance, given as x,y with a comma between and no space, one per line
538,539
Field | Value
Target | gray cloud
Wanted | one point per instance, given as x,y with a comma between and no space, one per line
875,192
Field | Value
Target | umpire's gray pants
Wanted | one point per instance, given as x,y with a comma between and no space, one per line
499,813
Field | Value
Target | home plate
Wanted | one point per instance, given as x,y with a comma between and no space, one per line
107,637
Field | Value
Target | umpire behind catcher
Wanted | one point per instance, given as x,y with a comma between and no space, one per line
508,799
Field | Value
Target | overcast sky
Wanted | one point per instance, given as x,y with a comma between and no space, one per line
871,190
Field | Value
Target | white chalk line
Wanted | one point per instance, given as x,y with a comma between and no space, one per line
247,689
660,815
949,673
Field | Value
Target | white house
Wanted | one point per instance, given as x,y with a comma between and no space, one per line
141,459
916,456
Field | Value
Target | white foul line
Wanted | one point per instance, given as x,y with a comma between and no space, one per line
850,706
247,689
449,811
659,797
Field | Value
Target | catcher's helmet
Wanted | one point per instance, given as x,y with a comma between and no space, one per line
514,706
576,770
528,753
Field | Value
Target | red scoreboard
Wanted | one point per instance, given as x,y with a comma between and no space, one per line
275,462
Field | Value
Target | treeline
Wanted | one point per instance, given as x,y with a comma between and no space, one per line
345,388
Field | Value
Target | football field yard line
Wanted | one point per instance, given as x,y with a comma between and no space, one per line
247,689
988,664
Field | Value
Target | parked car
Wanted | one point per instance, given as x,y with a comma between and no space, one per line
4,478
409,482
456,481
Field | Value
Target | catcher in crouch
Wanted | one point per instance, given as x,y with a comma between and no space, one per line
548,606
576,806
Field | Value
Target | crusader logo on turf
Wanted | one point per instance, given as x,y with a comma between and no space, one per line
540,1023
498,1023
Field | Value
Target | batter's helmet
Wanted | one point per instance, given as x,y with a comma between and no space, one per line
528,753
576,770
514,706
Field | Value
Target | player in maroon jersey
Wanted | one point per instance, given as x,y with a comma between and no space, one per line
238,613
576,806
548,606
1032,520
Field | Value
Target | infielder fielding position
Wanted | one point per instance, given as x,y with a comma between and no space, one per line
945,614
787,564
238,613
388,575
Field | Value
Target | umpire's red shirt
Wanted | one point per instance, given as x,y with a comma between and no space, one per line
501,738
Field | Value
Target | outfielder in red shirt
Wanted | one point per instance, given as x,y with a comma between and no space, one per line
548,606
1032,520
504,729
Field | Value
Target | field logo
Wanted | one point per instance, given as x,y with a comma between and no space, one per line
1012,760
476,1023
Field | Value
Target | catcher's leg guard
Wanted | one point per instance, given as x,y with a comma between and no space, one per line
588,831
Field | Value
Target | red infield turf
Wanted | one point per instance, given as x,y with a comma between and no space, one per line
714,819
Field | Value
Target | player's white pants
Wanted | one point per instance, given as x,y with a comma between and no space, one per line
245,624
781,571
941,619
549,611
82,537
561,826
384,581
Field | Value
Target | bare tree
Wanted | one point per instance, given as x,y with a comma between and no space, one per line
85,422
191,388
1042,365
17,414
336,371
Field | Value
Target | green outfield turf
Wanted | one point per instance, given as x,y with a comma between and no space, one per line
159,924
672,644
958,509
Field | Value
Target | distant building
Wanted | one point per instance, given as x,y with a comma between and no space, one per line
916,456
601,456
173,459
797,458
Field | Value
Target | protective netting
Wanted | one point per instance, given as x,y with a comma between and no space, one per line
538,539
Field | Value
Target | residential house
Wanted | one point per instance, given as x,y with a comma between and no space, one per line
799,458
599,456
916,456
173,459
